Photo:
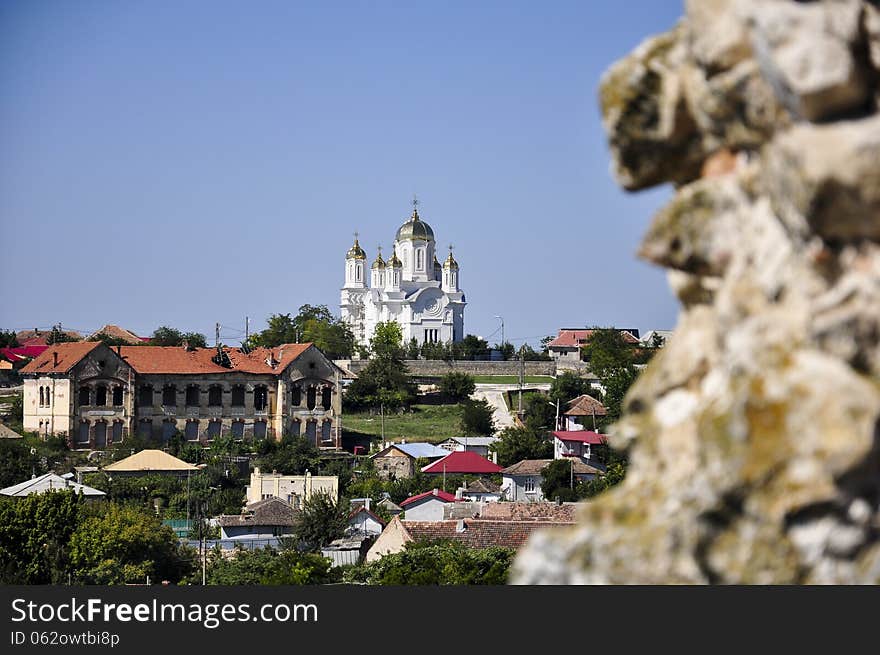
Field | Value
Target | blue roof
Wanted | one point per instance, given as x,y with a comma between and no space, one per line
422,450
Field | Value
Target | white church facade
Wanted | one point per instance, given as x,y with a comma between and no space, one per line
411,288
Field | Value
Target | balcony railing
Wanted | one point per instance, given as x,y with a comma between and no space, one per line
261,412
192,412
215,411
236,412
144,411
169,410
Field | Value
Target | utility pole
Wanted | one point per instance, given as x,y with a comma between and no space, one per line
246,326
522,369
217,336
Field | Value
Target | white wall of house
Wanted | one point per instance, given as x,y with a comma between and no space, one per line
563,449
482,497
427,509
54,415
363,523
522,487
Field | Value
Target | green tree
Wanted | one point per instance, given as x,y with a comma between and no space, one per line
438,563
412,349
477,419
281,329
617,383
507,350
34,536
18,462
290,456
566,386
606,351
529,354
268,566
614,474
557,480
119,544
473,347
321,520
384,382
457,386
516,444
8,339
58,336
168,336
333,336
540,414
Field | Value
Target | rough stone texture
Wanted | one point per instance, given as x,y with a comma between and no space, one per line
754,436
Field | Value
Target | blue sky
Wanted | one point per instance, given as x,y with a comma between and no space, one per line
186,163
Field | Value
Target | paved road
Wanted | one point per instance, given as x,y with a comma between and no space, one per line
495,397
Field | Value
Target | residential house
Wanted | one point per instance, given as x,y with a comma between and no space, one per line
522,481
96,395
478,445
565,349
577,443
363,522
349,550
398,460
462,462
481,490
426,506
150,462
582,413
473,533
660,336
264,519
118,334
51,482
293,489
37,337
389,506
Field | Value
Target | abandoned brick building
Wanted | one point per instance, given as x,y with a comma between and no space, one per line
96,395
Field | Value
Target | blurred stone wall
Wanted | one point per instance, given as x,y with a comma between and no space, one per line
753,436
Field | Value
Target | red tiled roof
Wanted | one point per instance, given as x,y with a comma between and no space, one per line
573,338
176,359
477,533
436,493
69,355
363,509
585,406
24,352
583,436
172,359
39,337
116,332
462,461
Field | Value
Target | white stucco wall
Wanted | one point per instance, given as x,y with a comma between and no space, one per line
427,509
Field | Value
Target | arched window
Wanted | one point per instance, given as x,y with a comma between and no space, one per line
238,396
42,400
311,430
192,396
325,398
48,397
169,395
100,396
326,431
295,427
420,259
259,429
85,396
117,396
261,398
310,397
215,395
296,396
145,396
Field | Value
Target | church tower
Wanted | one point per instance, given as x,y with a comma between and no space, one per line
378,271
414,244
450,274
393,273
354,267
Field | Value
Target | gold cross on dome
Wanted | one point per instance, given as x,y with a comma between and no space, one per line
415,201
379,248
356,235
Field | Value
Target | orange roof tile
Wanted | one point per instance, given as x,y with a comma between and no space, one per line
572,338
60,357
116,332
176,359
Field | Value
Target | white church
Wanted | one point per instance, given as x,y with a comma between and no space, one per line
411,288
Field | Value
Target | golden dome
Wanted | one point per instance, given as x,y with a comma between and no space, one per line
379,262
356,252
415,229
394,261
450,262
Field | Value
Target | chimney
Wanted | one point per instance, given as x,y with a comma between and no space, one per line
119,350
54,358
458,493
459,525
435,491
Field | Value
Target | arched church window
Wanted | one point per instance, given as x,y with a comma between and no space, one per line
101,396
85,396
325,398
310,398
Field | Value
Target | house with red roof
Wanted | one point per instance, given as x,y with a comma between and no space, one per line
577,443
427,506
462,462
96,394
566,347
